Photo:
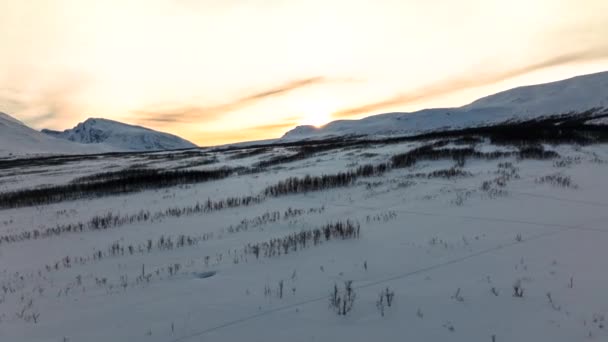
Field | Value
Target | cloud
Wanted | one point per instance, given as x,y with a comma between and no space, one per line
53,99
196,113
471,79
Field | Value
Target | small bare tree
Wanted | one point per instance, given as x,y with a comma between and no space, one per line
518,291
280,291
380,304
342,301
457,296
385,299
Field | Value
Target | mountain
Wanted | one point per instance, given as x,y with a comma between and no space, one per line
17,139
120,137
574,95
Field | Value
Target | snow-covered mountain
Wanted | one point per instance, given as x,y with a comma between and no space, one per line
120,137
574,95
17,139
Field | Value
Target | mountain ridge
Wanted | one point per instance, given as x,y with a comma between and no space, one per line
576,94
18,139
120,136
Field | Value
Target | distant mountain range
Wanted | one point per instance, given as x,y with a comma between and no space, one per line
582,94
89,137
574,95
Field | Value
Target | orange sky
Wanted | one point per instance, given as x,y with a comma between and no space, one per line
223,71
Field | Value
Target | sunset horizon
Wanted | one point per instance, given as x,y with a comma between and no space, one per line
228,72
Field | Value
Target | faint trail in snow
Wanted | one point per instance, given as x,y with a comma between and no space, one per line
599,204
471,217
555,198
422,270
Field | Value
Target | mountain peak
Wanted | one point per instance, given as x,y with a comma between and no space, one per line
120,136
17,139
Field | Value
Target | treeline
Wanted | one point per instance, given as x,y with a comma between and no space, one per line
296,185
304,239
105,184
271,217
430,152
111,220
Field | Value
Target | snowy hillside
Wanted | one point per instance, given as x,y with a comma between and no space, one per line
120,136
578,94
16,139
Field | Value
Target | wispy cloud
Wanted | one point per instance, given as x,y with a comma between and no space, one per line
471,79
197,113
271,127
52,100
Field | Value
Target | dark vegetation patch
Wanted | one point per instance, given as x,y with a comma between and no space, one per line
270,217
558,180
294,185
430,152
249,153
76,159
304,239
108,183
505,173
450,173
567,161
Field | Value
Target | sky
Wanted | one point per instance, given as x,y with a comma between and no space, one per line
221,71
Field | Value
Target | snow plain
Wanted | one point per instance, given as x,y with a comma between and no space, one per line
450,251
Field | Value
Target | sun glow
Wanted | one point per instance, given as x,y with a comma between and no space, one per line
317,113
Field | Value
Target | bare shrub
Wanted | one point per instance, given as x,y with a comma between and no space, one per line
558,180
341,301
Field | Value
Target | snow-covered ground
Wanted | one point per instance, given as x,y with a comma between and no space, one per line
451,250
